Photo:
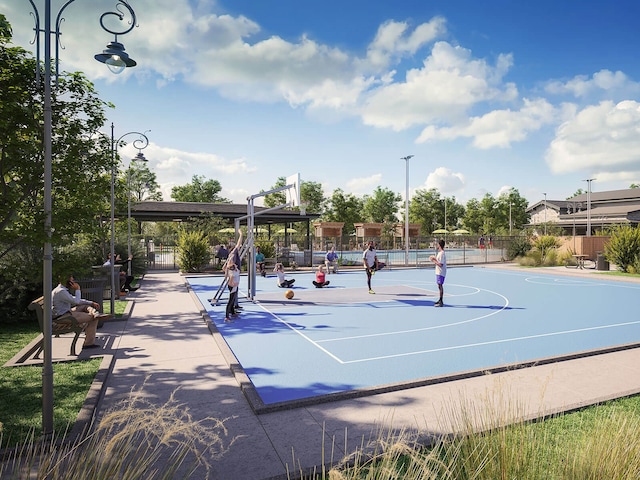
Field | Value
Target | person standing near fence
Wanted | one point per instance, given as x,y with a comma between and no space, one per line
370,261
440,261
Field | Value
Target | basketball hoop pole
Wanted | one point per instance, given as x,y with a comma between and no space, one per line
293,183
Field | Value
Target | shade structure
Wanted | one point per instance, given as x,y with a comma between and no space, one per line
461,231
289,230
440,230
261,230
227,230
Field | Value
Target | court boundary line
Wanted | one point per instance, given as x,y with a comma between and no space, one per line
259,407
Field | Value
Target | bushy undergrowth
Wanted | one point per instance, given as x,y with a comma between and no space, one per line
193,251
519,247
134,440
623,248
544,252
597,443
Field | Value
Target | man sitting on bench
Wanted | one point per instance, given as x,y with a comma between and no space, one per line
84,311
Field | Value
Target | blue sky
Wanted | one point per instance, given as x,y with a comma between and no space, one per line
487,96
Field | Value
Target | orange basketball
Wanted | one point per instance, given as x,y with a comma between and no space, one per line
289,294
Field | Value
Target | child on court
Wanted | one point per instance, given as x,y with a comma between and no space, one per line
441,270
320,280
282,281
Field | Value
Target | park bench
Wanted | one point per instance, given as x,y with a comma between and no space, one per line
59,326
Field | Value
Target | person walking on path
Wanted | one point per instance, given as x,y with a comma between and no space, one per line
370,261
321,280
440,261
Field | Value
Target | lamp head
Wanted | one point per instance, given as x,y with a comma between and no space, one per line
139,157
115,57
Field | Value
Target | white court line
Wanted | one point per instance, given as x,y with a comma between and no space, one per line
434,327
312,342
493,342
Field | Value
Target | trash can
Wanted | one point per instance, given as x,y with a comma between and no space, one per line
93,289
601,262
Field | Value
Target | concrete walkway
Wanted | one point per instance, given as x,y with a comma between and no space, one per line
167,347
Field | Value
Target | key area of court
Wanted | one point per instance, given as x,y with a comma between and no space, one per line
341,341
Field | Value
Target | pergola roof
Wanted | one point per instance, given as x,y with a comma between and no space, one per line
183,211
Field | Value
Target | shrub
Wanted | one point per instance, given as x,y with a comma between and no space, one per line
623,248
193,251
546,246
519,247
267,248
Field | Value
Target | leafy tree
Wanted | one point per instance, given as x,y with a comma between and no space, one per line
510,205
310,193
272,200
313,195
81,163
346,208
578,192
424,209
473,217
144,185
199,190
381,206
81,170
634,185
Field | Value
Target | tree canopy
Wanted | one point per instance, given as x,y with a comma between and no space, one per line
199,190
81,161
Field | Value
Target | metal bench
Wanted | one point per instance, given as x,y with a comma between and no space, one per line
59,326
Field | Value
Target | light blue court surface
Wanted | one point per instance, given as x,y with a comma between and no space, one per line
341,340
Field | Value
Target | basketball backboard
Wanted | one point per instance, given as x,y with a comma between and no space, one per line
293,193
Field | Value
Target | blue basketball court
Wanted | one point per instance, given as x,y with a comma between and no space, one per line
341,341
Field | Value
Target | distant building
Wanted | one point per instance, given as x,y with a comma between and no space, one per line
614,207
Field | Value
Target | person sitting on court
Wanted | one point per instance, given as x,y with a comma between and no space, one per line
282,281
260,262
331,260
320,280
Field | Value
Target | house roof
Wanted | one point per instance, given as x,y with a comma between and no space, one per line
182,211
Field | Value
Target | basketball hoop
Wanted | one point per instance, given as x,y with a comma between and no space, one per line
303,208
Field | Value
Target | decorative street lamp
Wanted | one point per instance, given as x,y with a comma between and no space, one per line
406,210
138,158
47,287
139,143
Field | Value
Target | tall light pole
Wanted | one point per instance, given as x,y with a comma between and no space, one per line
545,213
406,210
139,143
589,180
47,283
138,158
510,224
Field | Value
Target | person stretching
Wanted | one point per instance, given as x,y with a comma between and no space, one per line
320,280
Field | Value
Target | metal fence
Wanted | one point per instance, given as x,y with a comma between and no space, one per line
460,250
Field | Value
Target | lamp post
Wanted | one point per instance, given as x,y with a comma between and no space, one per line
510,224
589,180
545,213
139,143
406,210
47,283
138,158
